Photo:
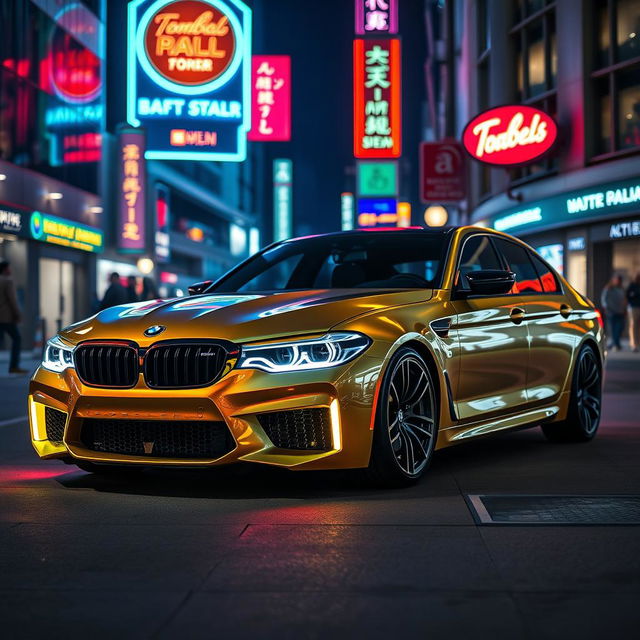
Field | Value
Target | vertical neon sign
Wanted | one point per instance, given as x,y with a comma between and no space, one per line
271,98
376,16
131,192
377,109
282,206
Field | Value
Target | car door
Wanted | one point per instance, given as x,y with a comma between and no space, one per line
552,336
492,341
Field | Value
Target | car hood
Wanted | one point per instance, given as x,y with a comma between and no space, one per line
238,317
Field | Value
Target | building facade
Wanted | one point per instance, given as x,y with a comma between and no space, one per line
62,110
51,118
578,61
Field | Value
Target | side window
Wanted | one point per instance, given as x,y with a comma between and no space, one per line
478,253
549,281
517,258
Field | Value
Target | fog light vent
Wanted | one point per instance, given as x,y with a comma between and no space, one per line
300,429
54,421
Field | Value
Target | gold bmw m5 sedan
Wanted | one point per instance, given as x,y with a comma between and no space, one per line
360,349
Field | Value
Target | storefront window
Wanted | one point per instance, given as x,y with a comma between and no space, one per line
629,109
616,77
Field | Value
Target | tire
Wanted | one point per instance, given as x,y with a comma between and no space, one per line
583,417
406,424
107,469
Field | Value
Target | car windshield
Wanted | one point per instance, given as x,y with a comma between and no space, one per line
366,260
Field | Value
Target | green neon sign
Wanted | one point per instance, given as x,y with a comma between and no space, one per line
65,233
377,179
614,198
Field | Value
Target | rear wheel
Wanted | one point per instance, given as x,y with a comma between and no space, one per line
406,422
583,418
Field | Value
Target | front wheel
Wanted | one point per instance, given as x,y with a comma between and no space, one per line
583,417
406,425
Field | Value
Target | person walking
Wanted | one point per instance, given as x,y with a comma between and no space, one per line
614,303
10,316
633,297
116,294
132,294
149,289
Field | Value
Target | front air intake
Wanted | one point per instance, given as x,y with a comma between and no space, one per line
159,439
300,429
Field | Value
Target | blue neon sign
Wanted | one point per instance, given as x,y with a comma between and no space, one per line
189,77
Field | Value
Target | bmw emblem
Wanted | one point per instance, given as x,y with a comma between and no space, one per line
154,331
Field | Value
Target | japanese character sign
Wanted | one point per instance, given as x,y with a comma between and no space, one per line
376,16
377,107
131,213
271,98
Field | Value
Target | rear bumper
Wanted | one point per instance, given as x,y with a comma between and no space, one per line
346,393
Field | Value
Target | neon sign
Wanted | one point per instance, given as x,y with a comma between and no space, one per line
377,211
58,231
71,76
376,16
271,98
189,77
282,199
131,192
510,135
377,108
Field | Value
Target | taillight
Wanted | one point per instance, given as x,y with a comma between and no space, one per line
599,317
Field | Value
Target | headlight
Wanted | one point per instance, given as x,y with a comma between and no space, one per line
331,350
58,356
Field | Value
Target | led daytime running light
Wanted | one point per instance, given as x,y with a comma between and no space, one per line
331,350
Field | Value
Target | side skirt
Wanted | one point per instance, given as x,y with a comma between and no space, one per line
532,417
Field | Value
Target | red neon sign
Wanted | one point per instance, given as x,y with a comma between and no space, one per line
377,111
270,98
510,135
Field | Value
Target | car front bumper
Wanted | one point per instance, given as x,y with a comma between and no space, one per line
347,393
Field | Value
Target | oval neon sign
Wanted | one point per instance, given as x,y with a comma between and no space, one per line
510,135
190,42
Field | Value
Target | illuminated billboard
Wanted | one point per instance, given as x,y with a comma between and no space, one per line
189,77
377,110
270,98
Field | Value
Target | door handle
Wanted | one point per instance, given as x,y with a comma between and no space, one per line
517,315
565,310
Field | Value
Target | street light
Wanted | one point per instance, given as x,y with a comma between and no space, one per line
436,216
145,266
54,195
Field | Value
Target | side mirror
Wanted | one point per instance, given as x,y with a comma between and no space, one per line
490,282
199,287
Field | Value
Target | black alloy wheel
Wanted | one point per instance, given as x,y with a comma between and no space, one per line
585,404
406,421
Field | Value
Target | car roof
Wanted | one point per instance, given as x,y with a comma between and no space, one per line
382,230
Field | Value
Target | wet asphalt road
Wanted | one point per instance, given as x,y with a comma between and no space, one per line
256,553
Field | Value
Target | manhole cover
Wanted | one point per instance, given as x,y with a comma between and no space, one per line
554,510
